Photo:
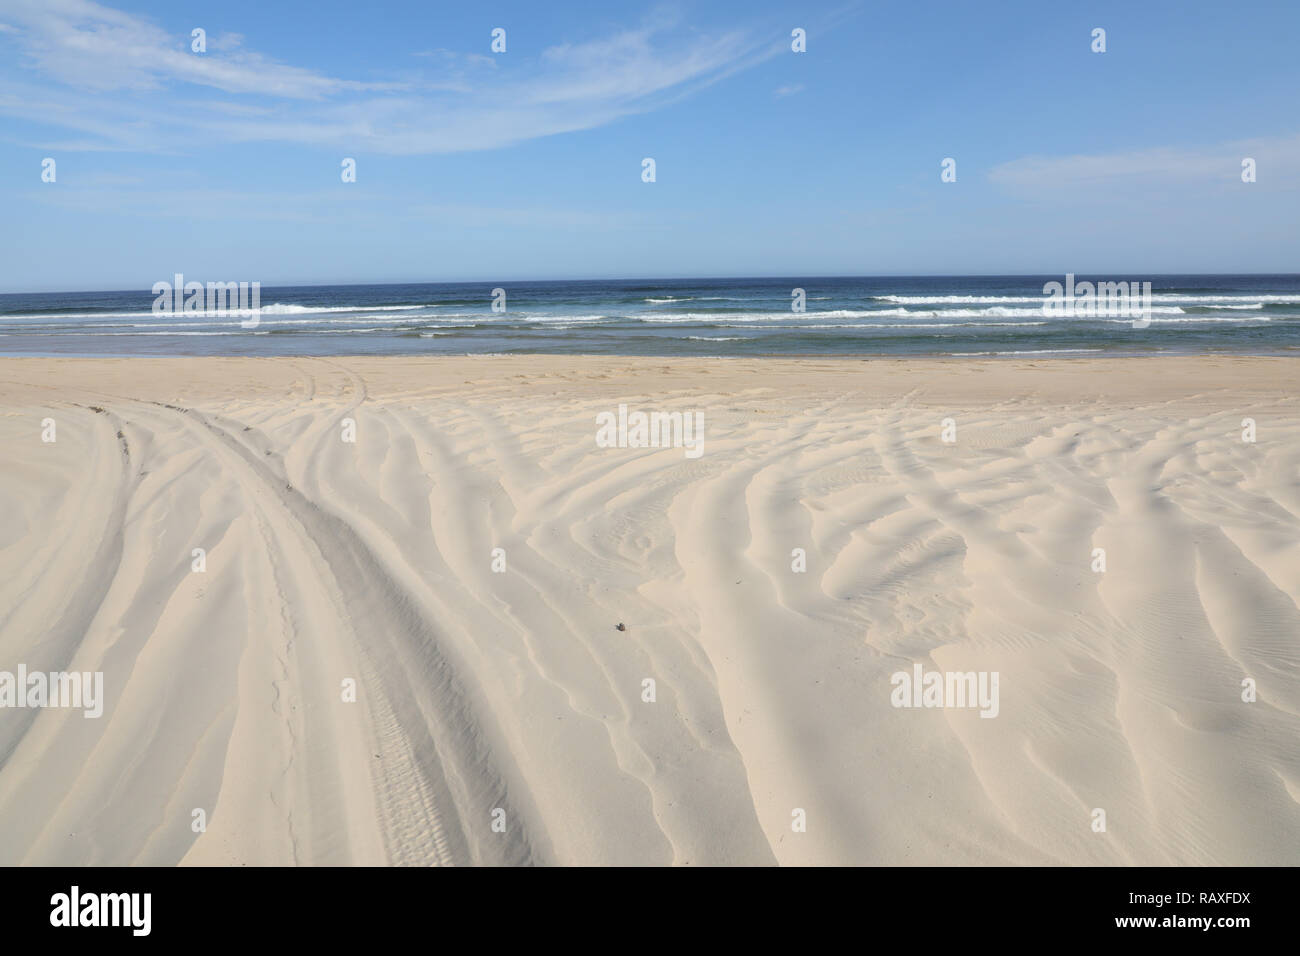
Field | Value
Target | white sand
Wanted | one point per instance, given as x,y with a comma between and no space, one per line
478,690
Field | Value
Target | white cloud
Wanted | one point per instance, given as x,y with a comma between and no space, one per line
89,46
362,205
1277,159
466,59
470,104
226,41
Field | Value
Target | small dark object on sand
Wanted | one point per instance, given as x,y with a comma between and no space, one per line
620,627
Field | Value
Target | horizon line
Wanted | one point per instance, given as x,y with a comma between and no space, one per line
684,278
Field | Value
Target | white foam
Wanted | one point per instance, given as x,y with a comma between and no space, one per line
1028,352
277,308
1168,297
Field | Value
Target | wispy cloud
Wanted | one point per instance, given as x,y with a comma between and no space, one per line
226,41
363,205
790,90
88,46
462,102
1277,160
452,56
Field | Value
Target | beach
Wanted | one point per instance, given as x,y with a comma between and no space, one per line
416,610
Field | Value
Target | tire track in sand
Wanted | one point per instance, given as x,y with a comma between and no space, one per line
433,769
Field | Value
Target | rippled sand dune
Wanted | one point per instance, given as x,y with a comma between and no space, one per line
511,696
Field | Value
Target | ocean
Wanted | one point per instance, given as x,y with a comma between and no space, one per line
932,315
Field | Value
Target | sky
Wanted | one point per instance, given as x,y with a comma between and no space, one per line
475,165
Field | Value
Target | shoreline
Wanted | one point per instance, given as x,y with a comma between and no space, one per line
921,380
1066,353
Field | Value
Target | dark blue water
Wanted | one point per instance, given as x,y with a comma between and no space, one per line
1000,315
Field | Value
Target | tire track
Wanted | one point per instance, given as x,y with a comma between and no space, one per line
434,771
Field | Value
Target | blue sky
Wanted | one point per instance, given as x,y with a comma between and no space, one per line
524,165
